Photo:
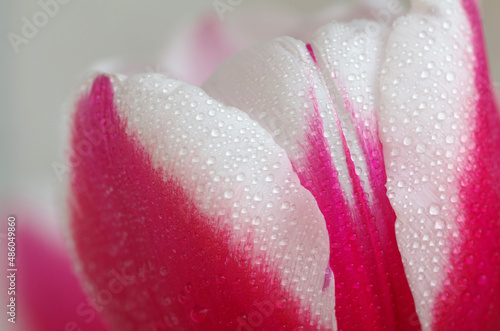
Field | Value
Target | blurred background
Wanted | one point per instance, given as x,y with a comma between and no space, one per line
40,75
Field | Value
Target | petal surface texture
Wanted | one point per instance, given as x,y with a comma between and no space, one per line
351,182
333,144
192,214
43,260
422,85
440,129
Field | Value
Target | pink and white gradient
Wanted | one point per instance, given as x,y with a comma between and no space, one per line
344,180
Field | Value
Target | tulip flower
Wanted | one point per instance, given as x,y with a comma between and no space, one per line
348,182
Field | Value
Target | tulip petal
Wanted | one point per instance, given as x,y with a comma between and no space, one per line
199,48
349,57
195,211
286,86
48,295
441,133
60,304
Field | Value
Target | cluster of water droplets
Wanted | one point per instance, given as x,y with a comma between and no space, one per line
349,59
237,176
427,94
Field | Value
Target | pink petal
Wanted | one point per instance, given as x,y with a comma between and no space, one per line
285,87
198,50
198,208
48,294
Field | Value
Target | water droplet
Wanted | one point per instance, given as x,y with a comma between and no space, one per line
220,279
421,148
166,301
396,151
188,288
258,197
439,225
199,314
284,242
434,210
450,76
182,298
481,280
229,194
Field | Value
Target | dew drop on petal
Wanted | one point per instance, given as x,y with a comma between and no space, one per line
434,210
229,194
421,148
240,177
199,314
450,76
407,141
481,280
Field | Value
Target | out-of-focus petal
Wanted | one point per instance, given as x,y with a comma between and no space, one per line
47,292
196,209
199,49
201,46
